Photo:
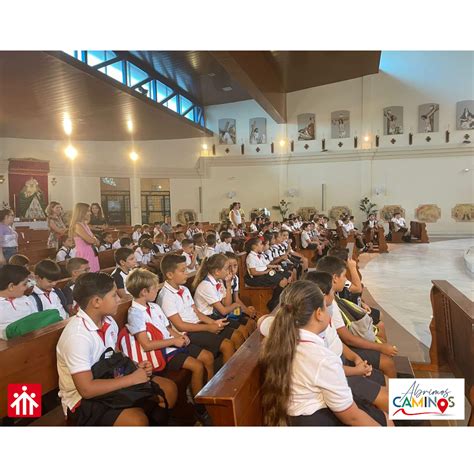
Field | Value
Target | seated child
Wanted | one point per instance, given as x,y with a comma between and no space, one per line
144,253
379,355
179,237
66,251
126,261
253,224
75,267
306,241
240,231
188,252
303,381
107,241
82,344
199,247
225,244
210,245
192,229
126,242
178,305
177,348
214,299
248,314
137,232
13,304
45,295
159,244
258,273
116,245
19,259
300,261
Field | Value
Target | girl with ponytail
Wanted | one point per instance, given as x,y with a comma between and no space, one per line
303,381
213,297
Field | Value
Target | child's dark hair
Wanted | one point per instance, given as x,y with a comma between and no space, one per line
338,252
4,213
89,285
12,274
208,265
186,243
124,241
170,262
74,264
211,239
250,243
178,232
298,302
143,237
197,237
146,244
48,269
322,279
305,226
225,235
331,265
105,234
19,259
230,255
122,254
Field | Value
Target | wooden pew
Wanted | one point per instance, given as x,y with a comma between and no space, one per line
39,254
296,245
376,234
343,241
397,237
418,232
106,258
452,332
256,296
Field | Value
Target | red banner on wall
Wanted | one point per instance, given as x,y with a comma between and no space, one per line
28,187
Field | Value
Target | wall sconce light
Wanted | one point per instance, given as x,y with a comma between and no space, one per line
292,192
378,190
2,178
231,194
54,181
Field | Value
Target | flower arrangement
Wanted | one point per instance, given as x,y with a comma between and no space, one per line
282,207
368,207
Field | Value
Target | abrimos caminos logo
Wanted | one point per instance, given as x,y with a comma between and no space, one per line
426,399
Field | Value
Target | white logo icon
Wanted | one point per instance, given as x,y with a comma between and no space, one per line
24,403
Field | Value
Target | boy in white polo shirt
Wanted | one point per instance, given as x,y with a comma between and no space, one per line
13,304
144,253
45,295
189,253
126,261
225,245
177,243
178,305
81,345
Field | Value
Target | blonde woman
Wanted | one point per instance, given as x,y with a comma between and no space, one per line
86,242
56,225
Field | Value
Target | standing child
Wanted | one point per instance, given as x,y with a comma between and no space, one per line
14,305
45,295
66,251
178,305
214,299
177,349
75,268
126,261
82,344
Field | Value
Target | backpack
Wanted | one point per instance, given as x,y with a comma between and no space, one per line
129,345
32,322
62,298
357,320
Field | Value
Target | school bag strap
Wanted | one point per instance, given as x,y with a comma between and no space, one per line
39,303
61,296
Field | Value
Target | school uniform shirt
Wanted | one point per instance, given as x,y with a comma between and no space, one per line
65,254
268,256
8,236
176,245
139,316
105,247
191,232
173,301
209,252
278,250
253,227
50,300
286,227
208,292
116,245
80,346
305,239
255,260
224,247
399,223
372,224
318,380
188,262
12,310
231,232
326,225
161,248
337,320
136,236
120,278
200,252
143,258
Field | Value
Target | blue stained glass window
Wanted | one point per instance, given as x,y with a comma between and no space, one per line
162,91
172,103
184,104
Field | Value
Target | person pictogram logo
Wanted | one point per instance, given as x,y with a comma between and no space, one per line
24,400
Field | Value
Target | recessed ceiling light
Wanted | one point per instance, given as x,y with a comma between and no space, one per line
227,89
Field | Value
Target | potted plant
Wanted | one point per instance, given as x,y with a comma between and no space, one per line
368,207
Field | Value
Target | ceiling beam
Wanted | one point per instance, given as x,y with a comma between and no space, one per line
256,72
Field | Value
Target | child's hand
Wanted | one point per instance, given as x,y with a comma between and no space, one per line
139,376
222,323
179,341
146,365
363,368
388,349
351,263
187,340
251,311
228,277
